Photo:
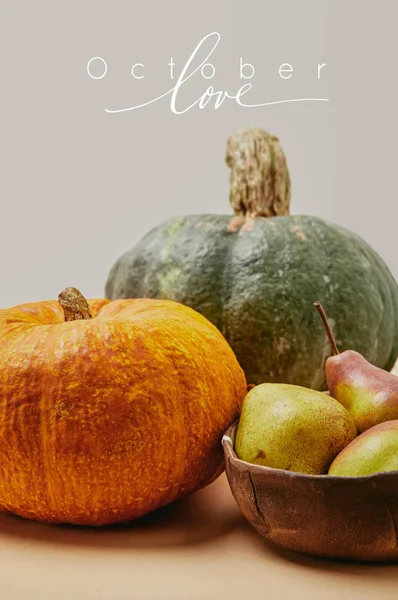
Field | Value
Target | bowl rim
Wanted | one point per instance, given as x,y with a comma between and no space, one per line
228,442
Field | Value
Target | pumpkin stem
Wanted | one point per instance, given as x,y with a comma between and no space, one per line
330,335
74,305
259,179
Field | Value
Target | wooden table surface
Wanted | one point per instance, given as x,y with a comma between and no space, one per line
199,549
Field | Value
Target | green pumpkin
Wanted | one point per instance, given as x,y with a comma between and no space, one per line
256,277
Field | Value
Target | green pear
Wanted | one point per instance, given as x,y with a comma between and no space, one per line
370,394
293,428
374,451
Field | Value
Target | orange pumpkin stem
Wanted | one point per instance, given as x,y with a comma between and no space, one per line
74,305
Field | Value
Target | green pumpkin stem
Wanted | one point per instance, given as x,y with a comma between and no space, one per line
74,305
330,335
259,180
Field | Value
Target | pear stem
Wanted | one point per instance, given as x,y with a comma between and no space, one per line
330,335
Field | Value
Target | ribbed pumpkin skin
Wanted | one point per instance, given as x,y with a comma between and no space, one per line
104,420
257,283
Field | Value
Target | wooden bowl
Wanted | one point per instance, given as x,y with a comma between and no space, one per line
351,518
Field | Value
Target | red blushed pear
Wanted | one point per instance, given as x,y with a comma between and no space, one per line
374,451
369,393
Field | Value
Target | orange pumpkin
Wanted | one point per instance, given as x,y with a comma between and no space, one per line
109,410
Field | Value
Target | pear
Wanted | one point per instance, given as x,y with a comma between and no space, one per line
294,428
369,393
374,451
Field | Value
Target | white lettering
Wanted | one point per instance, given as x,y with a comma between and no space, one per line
218,96
171,64
286,68
243,66
213,71
133,69
320,67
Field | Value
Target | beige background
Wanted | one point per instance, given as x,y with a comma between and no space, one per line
79,186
